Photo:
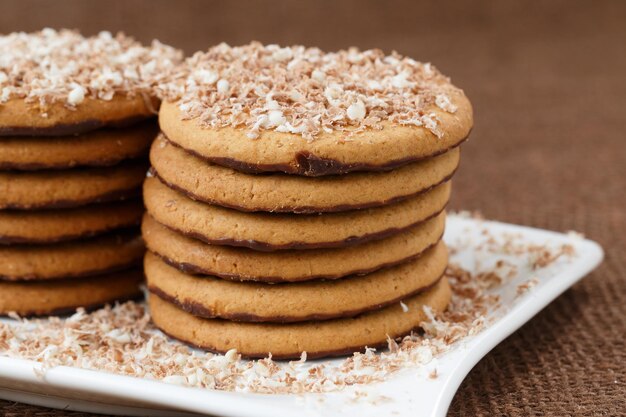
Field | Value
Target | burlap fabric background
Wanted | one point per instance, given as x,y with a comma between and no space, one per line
548,82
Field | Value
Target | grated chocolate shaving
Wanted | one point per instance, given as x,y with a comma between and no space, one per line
306,91
63,66
122,340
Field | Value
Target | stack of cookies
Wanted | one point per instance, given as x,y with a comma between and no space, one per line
74,138
296,202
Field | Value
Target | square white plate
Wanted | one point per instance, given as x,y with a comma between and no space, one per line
409,392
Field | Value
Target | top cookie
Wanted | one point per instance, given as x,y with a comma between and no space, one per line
301,111
61,83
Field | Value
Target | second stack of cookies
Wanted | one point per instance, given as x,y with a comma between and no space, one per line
76,123
312,252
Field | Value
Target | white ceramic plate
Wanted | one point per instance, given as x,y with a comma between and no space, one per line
408,392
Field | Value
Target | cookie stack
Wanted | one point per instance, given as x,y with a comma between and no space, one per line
296,202
74,138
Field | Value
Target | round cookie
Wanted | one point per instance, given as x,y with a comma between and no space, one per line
210,297
99,148
286,341
226,187
58,225
99,255
21,118
58,297
270,231
195,257
59,83
263,108
70,188
328,154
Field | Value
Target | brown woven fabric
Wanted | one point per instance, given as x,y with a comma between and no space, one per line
549,87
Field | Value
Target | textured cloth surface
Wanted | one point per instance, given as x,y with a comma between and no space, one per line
548,150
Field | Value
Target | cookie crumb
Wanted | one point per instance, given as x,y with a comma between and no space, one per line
527,285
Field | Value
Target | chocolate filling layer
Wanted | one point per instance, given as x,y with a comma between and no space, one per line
268,247
197,270
69,129
97,161
300,209
309,165
94,163
199,310
84,274
13,240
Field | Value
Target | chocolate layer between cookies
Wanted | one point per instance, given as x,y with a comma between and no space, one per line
282,193
297,245
292,302
244,264
79,128
51,226
277,231
200,310
310,165
75,187
101,148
